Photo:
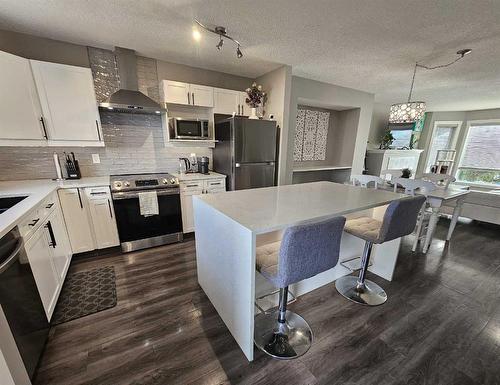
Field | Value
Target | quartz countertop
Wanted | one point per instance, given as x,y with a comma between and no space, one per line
197,176
36,190
274,208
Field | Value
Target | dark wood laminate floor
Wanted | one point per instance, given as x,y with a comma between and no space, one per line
440,325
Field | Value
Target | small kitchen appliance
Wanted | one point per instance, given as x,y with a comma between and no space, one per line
185,128
203,164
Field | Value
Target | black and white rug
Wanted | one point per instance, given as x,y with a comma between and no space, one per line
85,293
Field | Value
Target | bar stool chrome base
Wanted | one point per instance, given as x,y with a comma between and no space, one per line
368,293
282,340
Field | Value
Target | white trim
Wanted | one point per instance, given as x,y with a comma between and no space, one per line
460,152
458,127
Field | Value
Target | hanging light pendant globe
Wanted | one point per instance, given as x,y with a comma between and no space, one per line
408,112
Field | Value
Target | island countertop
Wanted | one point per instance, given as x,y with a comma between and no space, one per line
274,208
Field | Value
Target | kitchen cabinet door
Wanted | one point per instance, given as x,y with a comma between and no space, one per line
20,108
175,92
244,109
187,210
74,208
103,217
39,253
226,101
61,249
68,101
201,96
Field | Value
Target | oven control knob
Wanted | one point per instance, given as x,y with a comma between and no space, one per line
126,184
118,184
164,181
173,181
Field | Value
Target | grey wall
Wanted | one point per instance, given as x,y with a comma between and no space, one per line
183,73
278,84
324,95
378,125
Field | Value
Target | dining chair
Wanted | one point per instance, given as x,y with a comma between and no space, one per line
440,180
424,187
366,180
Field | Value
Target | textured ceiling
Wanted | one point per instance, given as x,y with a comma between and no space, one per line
369,45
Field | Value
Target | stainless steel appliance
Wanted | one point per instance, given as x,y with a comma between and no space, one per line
182,128
21,301
203,162
245,151
138,231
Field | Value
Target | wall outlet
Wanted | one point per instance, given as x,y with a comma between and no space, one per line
96,158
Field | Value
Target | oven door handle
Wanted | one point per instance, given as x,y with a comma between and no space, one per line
12,257
135,194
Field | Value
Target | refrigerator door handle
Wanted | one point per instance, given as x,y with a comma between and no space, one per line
237,165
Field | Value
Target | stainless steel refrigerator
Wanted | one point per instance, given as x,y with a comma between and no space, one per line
245,151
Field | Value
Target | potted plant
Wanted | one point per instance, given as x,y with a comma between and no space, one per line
255,97
386,140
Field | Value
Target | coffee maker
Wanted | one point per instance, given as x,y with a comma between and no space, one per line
203,164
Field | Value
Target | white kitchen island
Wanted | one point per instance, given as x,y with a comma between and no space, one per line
230,225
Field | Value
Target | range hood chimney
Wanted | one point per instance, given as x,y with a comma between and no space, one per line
128,98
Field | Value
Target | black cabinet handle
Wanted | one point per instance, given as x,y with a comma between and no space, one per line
49,206
192,93
51,233
189,101
43,126
35,221
98,132
110,211
79,198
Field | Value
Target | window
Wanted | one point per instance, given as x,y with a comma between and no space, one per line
480,160
443,138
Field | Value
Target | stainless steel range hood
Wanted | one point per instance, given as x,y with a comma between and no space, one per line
128,98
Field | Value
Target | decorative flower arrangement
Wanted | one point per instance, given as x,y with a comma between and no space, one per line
255,95
386,140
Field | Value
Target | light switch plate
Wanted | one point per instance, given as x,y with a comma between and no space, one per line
96,158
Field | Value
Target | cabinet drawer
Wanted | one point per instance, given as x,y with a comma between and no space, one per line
211,184
98,192
37,216
192,186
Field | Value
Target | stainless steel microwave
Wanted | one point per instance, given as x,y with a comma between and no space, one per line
182,128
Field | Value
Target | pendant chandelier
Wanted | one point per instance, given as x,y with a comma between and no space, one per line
413,111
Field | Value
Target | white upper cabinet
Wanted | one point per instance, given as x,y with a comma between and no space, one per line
68,102
175,92
226,101
202,96
186,94
20,109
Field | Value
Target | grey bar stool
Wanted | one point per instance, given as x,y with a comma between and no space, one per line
399,220
304,251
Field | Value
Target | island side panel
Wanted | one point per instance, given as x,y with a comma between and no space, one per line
225,259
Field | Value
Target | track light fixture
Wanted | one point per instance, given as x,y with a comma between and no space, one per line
222,33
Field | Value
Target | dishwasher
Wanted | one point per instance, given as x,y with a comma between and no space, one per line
21,302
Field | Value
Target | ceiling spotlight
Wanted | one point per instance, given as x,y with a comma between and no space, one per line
196,34
222,33
220,44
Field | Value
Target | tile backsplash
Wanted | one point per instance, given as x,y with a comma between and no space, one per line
134,144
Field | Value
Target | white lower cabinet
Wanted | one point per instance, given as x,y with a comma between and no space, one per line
40,257
77,221
61,248
90,218
102,217
192,188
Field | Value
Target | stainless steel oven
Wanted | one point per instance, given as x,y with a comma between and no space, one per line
182,128
137,231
